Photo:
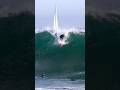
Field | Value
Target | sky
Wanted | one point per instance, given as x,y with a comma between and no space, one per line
71,13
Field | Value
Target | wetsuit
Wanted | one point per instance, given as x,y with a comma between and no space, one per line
62,36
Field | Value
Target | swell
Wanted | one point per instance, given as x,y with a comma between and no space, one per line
53,59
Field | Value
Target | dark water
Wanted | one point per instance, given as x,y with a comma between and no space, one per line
52,59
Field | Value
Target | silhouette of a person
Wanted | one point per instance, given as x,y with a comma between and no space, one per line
62,36
42,76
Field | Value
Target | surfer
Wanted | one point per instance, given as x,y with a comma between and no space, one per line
43,75
62,36
61,42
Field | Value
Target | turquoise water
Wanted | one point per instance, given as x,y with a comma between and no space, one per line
52,59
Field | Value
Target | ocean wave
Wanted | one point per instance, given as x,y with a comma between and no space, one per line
51,58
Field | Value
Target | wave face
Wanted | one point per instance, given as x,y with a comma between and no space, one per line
53,59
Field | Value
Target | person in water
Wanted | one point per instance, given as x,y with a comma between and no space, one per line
42,75
62,36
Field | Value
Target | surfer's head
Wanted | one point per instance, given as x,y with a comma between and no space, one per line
62,36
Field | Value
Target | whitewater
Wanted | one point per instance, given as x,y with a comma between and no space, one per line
59,84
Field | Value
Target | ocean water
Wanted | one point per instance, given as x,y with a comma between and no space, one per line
59,84
52,58
65,65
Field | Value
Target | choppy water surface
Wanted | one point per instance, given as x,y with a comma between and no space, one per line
59,84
